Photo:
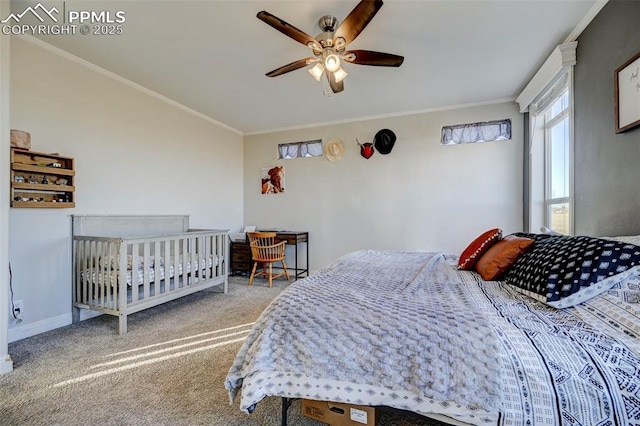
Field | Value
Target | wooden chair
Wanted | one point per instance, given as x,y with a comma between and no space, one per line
265,250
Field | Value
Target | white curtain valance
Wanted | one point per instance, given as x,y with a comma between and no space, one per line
300,149
486,131
548,97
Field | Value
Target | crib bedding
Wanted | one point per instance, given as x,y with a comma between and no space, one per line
97,277
410,331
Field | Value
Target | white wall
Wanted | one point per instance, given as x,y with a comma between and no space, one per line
421,196
134,154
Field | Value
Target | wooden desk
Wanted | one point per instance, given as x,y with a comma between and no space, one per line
241,262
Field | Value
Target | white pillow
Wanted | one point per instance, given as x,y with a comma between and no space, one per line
629,239
545,230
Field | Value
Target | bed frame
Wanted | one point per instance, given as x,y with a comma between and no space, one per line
184,260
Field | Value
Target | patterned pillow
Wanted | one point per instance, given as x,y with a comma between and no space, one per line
565,271
498,259
478,247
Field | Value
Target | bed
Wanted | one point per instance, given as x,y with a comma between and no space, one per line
125,264
412,331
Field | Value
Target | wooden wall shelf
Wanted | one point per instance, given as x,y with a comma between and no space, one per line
41,180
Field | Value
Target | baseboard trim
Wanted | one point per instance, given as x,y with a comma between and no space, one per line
28,330
86,314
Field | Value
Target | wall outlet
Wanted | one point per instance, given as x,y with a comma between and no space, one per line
18,309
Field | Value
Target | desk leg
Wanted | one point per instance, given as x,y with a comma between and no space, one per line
307,247
296,274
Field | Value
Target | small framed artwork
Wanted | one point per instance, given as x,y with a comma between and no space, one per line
273,180
627,94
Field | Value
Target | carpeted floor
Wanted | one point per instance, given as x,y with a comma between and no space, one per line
169,369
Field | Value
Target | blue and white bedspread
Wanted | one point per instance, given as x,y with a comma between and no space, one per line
410,331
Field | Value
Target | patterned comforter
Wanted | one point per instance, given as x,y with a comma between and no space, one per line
408,330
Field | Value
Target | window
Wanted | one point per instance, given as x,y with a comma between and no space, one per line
305,149
551,158
477,132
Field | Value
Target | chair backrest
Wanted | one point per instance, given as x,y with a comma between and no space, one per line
264,247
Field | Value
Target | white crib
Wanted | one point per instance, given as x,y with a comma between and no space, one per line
125,264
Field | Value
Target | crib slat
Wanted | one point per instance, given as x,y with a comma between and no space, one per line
200,258
80,266
220,252
92,271
147,270
122,306
167,262
156,269
208,257
113,278
218,258
222,246
97,286
176,262
186,262
193,259
101,272
214,256
193,255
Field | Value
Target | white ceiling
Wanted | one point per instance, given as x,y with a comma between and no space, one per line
211,56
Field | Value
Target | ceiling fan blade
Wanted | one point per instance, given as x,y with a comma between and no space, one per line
336,86
289,30
368,57
290,67
355,22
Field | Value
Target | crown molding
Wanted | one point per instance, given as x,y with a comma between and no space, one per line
381,116
586,20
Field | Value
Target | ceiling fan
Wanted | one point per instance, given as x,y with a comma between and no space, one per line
329,47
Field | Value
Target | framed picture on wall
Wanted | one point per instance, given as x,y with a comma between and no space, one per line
273,180
627,92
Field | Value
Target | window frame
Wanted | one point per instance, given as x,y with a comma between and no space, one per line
317,143
541,137
459,134
549,200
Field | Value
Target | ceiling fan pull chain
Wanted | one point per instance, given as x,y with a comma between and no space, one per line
326,88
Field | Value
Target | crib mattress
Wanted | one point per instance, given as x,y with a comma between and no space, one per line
99,277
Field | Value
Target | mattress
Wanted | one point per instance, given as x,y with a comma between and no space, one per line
99,276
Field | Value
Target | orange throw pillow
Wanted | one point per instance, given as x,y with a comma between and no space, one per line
499,258
478,247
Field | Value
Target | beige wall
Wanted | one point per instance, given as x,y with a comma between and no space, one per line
421,196
6,363
134,154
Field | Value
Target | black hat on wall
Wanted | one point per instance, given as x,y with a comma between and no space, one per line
384,141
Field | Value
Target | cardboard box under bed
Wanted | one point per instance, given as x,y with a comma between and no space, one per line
339,414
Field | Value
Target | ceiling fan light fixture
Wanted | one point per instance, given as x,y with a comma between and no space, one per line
317,70
340,74
329,47
332,62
